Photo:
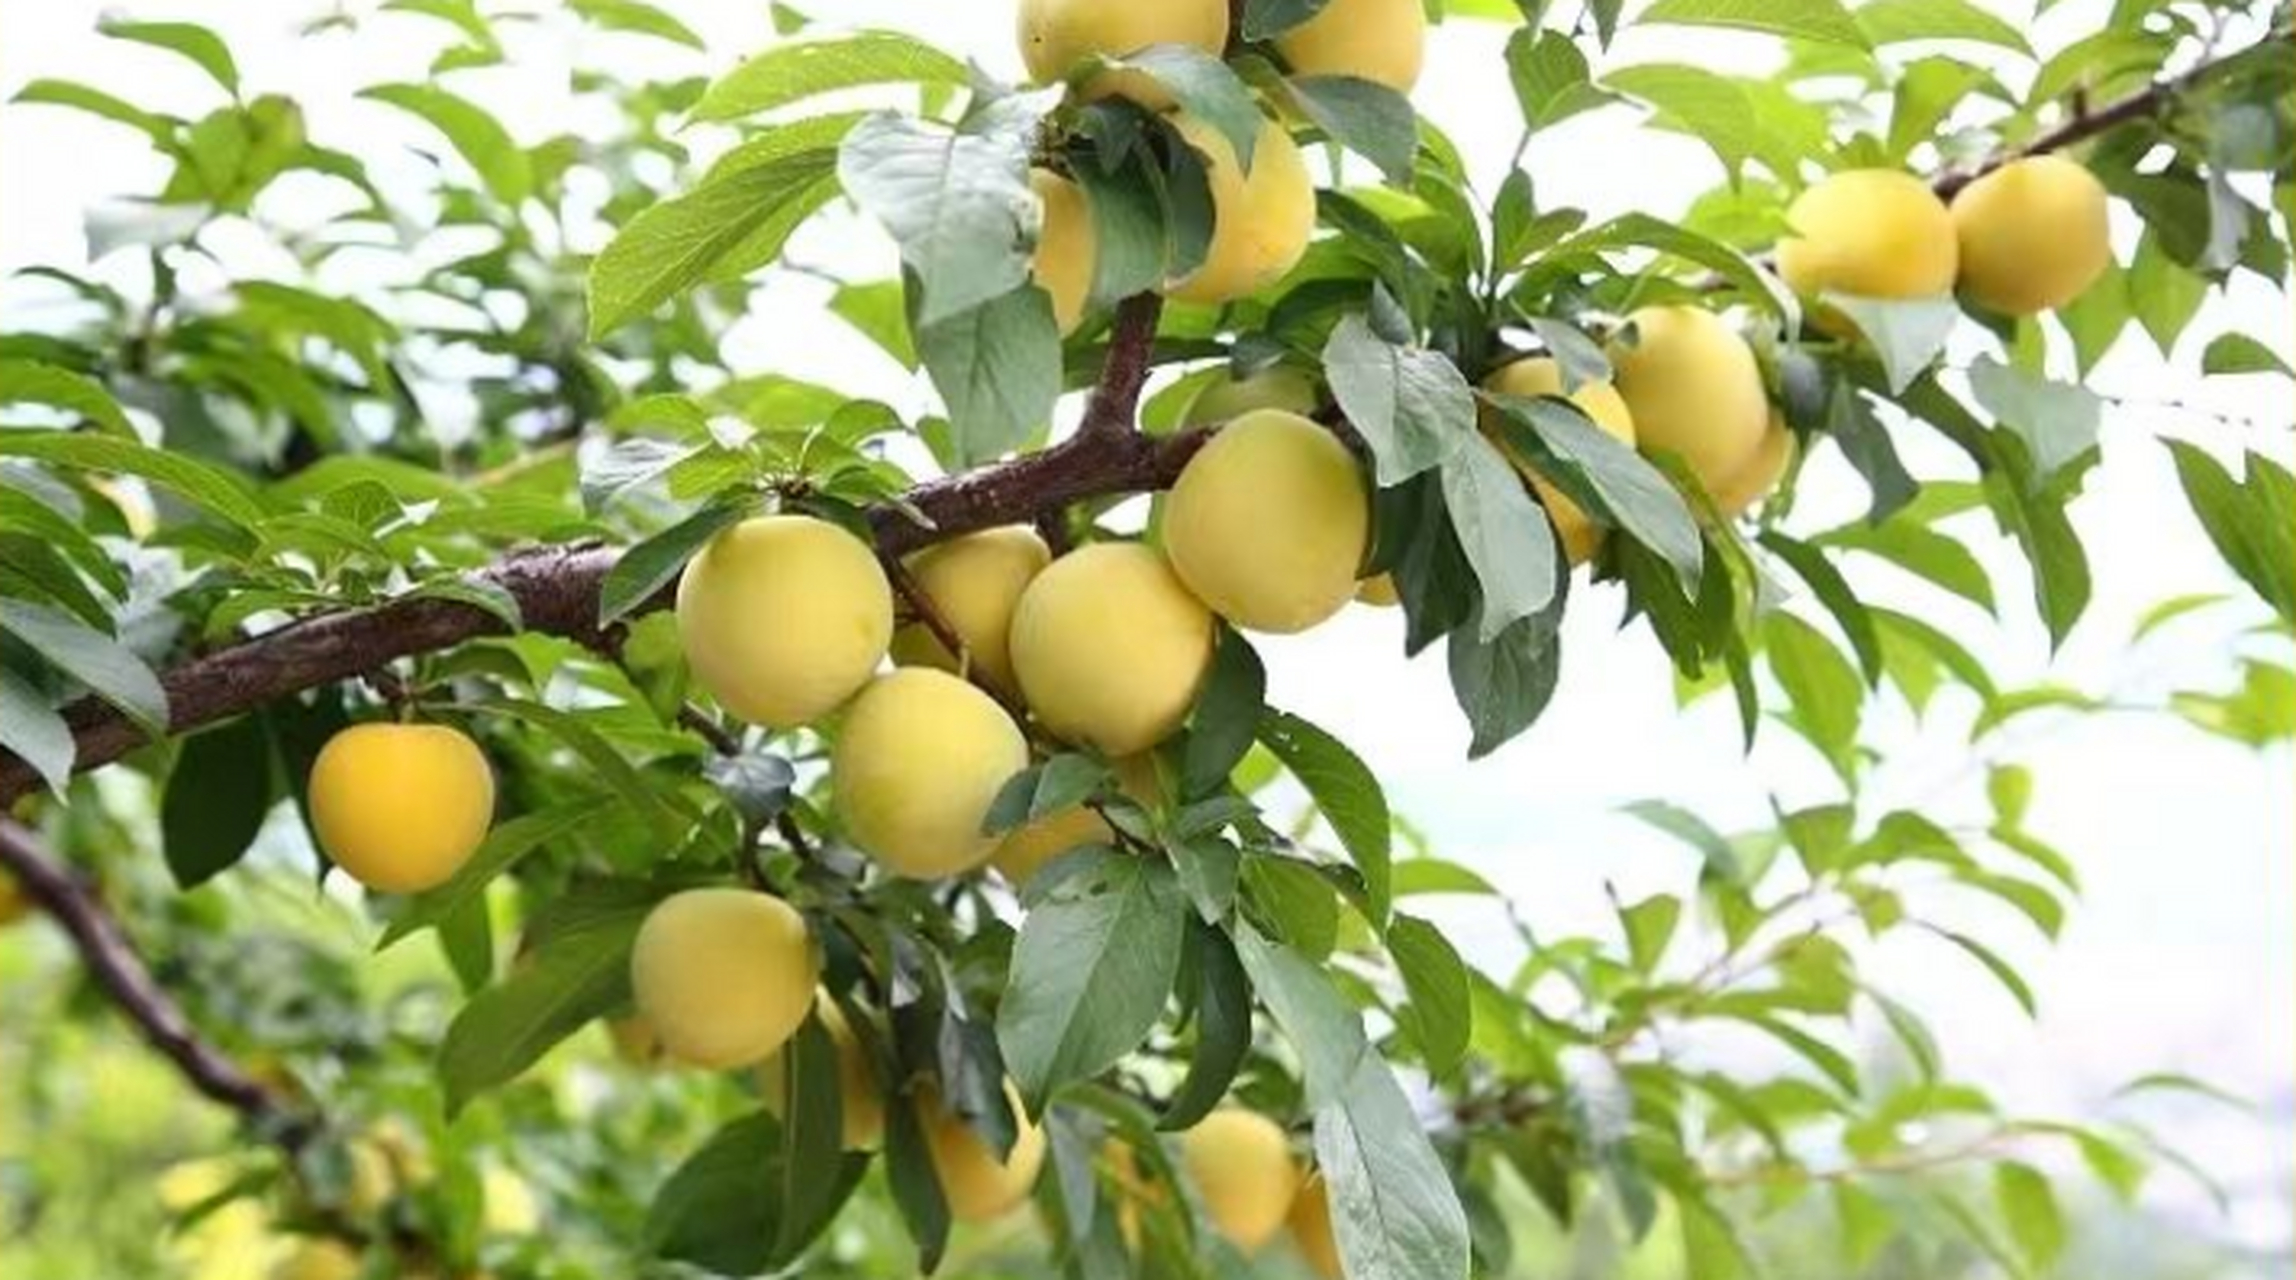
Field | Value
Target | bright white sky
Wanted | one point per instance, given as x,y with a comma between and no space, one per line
2180,956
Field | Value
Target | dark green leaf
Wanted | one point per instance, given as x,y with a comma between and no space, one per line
1410,405
1504,534
719,1209
644,570
1227,716
788,73
1369,119
582,973
1345,791
1439,1017
32,729
217,797
482,141
1223,1031
107,667
997,367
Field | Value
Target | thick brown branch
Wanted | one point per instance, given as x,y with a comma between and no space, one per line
114,965
1131,353
557,593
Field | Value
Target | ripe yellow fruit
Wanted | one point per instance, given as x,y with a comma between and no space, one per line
401,807
1693,387
921,757
1282,386
2034,235
1378,592
784,617
1383,41
864,1119
1260,222
724,975
978,1186
1269,522
1581,536
975,581
1761,473
1311,1229
1065,248
1242,1166
1027,848
1110,648
320,1259
1870,233
1055,35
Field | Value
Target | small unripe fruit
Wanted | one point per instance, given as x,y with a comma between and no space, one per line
724,975
975,581
864,1118
1242,1167
784,617
1110,648
1065,247
1055,35
401,807
978,1186
1693,387
1599,401
1378,591
1260,222
1028,847
1383,41
1870,233
1269,522
917,764
1280,387
1311,1229
2034,235
1761,473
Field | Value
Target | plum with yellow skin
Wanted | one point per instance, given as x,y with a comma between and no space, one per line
977,1185
401,807
783,618
1242,1167
1383,41
974,581
1228,397
1694,390
1260,222
1055,35
1269,523
1581,536
1110,648
2034,235
1310,1223
864,1118
725,976
917,764
1870,233
1066,248
1025,849
1761,473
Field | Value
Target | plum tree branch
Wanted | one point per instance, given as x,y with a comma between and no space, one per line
112,961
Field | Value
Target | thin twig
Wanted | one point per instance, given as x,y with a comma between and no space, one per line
927,613
128,983
698,722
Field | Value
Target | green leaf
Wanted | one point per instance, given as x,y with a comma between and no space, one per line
1393,1208
1834,592
1711,107
1906,334
32,729
916,1185
1649,926
2252,522
218,794
1921,551
2163,295
1503,686
1615,482
644,570
790,73
1821,685
31,382
188,40
720,1209
70,93
580,974
1091,971
1720,858
1411,405
997,367
111,670
1324,1031
505,846
2029,1206
482,142
1263,19
664,810
813,1141
1888,22
877,309
1825,21
734,222
209,487
1642,231
1550,77
1223,1031
640,18
1346,793
1062,782
958,204
1505,535
2058,421
2236,353
1226,718
1864,441
1367,118
2003,972
1204,87
1440,1015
